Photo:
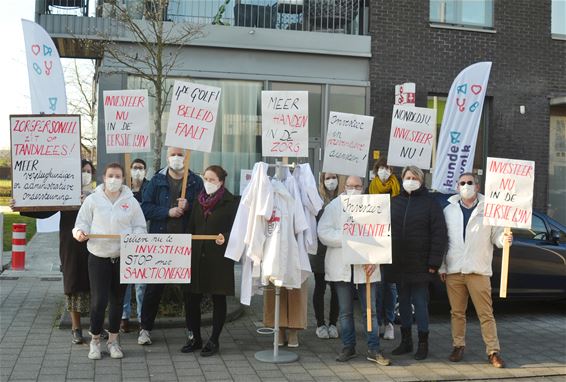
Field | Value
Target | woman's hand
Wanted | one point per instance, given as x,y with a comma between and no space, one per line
369,268
508,238
80,236
220,239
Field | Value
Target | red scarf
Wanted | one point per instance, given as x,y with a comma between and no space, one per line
208,202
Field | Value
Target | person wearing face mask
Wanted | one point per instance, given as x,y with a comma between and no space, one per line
211,273
466,268
167,212
111,209
418,237
329,189
73,256
385,182
342,275
139,182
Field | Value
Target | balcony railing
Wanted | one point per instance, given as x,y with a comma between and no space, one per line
333,16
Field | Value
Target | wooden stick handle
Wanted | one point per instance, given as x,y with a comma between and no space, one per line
186,173
111,236
127,165
504,266
368,303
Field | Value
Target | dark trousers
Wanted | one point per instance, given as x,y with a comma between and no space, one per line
318,301
218,315
105,290
150,306
417,294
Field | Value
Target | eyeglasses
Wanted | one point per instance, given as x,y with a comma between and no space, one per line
353,187
469,183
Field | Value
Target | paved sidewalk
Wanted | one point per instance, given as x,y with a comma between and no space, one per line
33,348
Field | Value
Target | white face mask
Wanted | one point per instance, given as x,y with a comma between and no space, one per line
411,185
138,174
383,174
113,184
467,191
86,178
176,163
210,188
331,184
353,192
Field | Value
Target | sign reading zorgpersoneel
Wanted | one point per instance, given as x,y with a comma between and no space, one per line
285,123
46,161
155,259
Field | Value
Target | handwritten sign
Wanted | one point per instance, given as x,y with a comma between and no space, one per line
366,229
347,144
405,94
411,137
509,187
155,259
126,121
192,118
46,161
285,123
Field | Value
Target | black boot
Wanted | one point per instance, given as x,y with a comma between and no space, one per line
406,345
422,349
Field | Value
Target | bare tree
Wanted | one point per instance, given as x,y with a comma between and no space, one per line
83,101
157,45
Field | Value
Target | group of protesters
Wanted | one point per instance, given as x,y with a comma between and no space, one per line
428,242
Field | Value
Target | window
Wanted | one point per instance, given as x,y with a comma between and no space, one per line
537,232
473,13
559,18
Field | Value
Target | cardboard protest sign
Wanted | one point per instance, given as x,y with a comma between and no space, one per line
405,94
192,117
347,144
284,123
126,121
411,137
509,187
46,161
366,229
155,259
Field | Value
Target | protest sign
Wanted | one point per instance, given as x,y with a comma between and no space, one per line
405,94
366,229
509,187
347,144
284,123
126,121
411,137
192,117
46,162
155,259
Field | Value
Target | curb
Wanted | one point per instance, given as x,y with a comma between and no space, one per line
234,310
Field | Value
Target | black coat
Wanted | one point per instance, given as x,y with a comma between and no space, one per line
419,237
211,272
73,255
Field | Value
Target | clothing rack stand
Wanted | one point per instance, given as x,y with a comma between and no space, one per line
277,356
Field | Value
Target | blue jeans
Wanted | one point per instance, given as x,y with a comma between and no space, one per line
417,293
346,316
127,309
386,300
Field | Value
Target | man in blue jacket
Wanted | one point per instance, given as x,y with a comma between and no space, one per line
167,212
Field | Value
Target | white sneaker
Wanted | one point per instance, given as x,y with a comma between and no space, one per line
115,350
389,332
322,332
94,352
333,331
144,337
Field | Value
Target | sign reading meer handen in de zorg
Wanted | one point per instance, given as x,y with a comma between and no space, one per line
126,121
192,117
46,161
509,187
284,123
155,259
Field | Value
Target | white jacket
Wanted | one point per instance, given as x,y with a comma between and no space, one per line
330,234
312,204
475,254
98,215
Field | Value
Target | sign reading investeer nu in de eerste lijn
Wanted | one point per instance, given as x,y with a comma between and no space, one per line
46,161
155,259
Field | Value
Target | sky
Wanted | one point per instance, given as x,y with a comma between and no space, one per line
14,99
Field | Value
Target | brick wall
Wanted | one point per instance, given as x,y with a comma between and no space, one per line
528,67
